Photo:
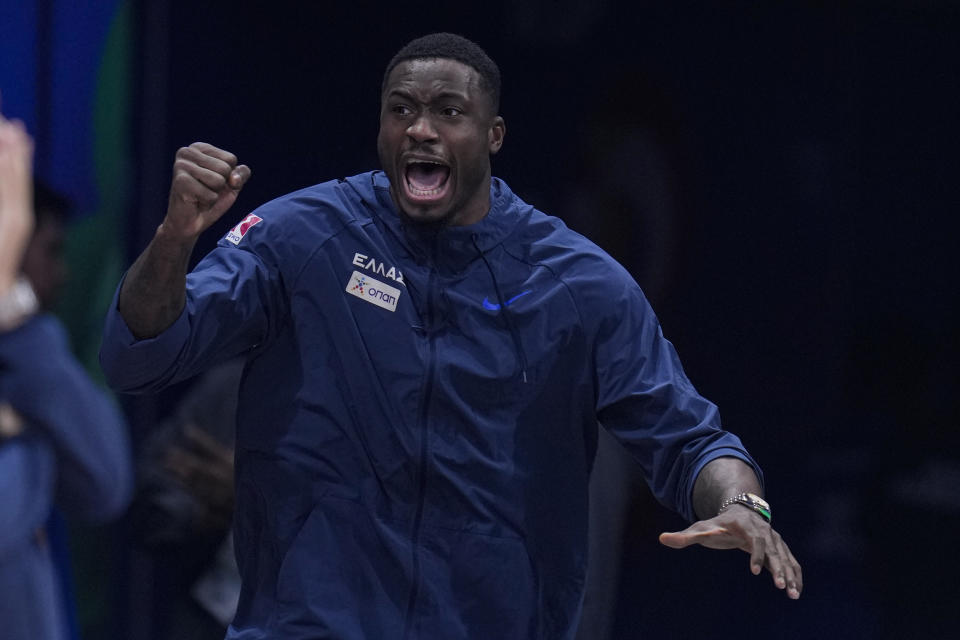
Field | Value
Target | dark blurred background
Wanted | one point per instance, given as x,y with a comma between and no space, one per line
781,178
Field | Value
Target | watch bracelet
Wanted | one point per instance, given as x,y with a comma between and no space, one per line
17,304
744,499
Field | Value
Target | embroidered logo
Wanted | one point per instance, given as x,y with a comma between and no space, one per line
493,306
373,291
236,234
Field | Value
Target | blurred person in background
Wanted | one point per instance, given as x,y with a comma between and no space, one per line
43,263
63,444
183,508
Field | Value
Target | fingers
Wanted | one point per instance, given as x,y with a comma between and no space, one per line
206,181
15,143
183,464
784,567
795,586
207,165
210,151
16,149
694,534
676,540
212,490
766,548
771,551
195,472
16,197
222,163
240,176
757,556
222,168
208,446
704,533
743,529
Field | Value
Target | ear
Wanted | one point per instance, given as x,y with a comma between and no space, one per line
496,133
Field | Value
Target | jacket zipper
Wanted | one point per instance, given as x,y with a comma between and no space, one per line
424,439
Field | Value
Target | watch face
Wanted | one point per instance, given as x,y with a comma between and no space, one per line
758,500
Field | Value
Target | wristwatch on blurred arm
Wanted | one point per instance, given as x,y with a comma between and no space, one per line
11,424
17,304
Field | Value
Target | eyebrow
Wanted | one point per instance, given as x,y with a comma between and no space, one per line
443,95
457,95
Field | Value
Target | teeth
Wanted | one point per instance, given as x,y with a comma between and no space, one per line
419,192
428,192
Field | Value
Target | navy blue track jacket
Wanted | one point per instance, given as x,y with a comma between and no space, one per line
73,453
418,414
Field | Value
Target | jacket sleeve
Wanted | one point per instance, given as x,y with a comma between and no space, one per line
27,479
646,401
61,404
232,305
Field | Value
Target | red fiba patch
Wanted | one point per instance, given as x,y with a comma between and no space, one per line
236,234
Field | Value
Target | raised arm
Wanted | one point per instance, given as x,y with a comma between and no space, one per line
206,182
16,210
66,430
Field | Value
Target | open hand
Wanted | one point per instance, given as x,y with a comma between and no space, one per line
738,527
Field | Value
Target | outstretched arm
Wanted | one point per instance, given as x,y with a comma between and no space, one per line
206,182
737,526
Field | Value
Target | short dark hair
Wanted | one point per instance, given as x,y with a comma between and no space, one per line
453,47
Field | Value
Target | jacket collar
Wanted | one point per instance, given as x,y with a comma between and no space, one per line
449,248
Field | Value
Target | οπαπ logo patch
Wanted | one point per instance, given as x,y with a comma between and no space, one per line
373,291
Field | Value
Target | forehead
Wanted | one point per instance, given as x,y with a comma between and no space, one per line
429,76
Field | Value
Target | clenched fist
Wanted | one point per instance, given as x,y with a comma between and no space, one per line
206,182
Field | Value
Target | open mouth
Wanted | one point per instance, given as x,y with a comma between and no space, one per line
426,180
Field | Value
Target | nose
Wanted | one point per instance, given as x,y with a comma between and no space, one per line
421,129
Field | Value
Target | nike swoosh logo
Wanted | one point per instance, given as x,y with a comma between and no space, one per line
492,306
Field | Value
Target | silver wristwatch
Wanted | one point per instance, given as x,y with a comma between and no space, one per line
751,500
17,304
